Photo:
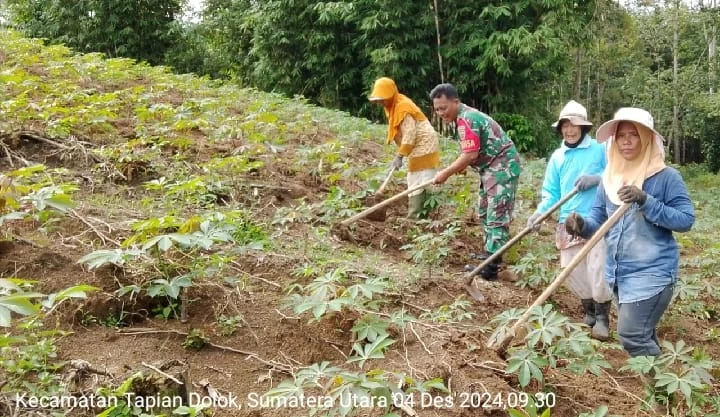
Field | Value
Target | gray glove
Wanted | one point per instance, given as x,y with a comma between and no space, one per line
397,162
632,194
532,219
586,182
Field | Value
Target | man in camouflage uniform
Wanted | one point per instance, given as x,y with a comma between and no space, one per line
489,150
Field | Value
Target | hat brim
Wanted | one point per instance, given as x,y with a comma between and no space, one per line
607,130
376,98
577,121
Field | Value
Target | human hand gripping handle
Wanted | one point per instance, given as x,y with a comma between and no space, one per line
632,194
441,177
574,224
531,222
397,162
586,182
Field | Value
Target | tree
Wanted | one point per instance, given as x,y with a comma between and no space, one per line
140,29
498,55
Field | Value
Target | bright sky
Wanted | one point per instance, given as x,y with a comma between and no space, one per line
195,4
194,8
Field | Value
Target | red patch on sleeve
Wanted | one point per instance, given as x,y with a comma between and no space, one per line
469,141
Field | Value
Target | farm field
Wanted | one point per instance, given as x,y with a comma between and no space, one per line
173,237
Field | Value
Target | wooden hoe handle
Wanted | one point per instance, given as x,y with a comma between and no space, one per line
387,202
502,343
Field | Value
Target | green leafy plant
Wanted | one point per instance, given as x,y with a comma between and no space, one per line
30,359
450,313
195,339
532,409
333,293
166,310
329,294
601,411
690,293
200,190
30,194
340,204
551,340
370,327
174,253
680,372
28,355
300,213
527,364
228,325
519,128
535,268
347,391
374,349
430,248
123,408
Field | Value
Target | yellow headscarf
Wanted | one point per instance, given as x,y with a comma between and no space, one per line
397,105
621,172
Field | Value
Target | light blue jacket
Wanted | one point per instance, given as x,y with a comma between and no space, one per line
642,254
565,166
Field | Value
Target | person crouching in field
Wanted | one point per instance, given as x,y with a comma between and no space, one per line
414,136
578,162
486,147
642,255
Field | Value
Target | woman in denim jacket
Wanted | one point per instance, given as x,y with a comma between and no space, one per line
642,254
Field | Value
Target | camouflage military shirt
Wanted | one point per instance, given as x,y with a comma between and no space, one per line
478,132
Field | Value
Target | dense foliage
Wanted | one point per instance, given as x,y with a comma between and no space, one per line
520,59
120,28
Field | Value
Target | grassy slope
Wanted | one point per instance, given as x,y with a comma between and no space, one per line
153,153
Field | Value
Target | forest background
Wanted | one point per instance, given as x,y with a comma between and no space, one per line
520,60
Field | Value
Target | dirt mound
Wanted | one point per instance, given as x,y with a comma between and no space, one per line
25,148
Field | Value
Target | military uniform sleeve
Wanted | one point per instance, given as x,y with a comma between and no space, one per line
469,135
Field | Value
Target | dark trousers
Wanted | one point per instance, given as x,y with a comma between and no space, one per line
637,323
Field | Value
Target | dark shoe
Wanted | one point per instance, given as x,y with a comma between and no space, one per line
490,271
484,255
601,329
589,309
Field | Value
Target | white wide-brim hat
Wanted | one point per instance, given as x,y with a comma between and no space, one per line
575,113
628,114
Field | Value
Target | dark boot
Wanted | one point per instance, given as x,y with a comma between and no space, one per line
416,204
589,309
601,329
488,272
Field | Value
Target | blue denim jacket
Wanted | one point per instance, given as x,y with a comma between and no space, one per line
642,254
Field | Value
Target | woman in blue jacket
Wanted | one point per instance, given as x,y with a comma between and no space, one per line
642,254
578,162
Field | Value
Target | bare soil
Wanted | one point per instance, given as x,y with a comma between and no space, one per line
270,341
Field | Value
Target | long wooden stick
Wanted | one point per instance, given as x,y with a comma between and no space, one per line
386,202
386,182
520,235
502,341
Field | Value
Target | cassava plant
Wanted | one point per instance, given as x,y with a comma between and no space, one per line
348,392
430,248
28,355
174,253
679,379
551,340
